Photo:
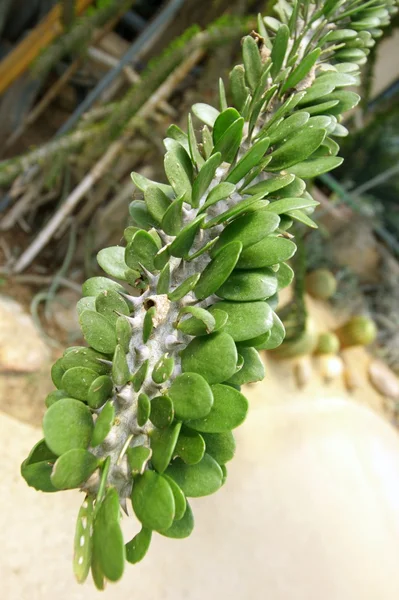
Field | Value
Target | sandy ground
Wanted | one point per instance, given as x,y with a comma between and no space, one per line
259,536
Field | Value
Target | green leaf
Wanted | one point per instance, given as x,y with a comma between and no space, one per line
120,369
228,411
143,409
184,288
183,527
302,217
157,202
179,135
252,369
337,79
222,95
218,270
205,177
173,218
268,252
247,230
319,89
81,356
141,251
123,333
179,171
140,216
162,411
109,304
143,182
180,499
322,107
219,192
244,206
279,49
296,149
295,189
54,396
87,303
272,184
98,331
138,457
140,375
163,369
246,286
148,323
163,279
112,261
185,239
317,166
197,480
83,541
284,275
163,442
99,391
221,446
190,446
288,127
246,319
277,335
191,395
250,159
300,72
57,372
67,424
346,101
286,107
95,285
200,356
285,205
153,501
199,325
129,232
103,424
205,113
207,142
238,87
108,537
73,468
96,571
223,122
138,547
230,141
201,314
37,467
77,381
252,61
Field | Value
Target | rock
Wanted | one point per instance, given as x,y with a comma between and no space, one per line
356,247
384,379
64,313
22,350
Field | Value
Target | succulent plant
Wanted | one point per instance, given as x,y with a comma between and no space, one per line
146,411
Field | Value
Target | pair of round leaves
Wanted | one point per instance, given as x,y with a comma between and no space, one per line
191,395
153,501
67,425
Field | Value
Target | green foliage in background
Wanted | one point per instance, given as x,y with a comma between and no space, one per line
145,412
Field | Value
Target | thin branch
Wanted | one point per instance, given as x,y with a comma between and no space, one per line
105,162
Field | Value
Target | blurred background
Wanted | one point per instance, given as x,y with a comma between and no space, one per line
87,91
